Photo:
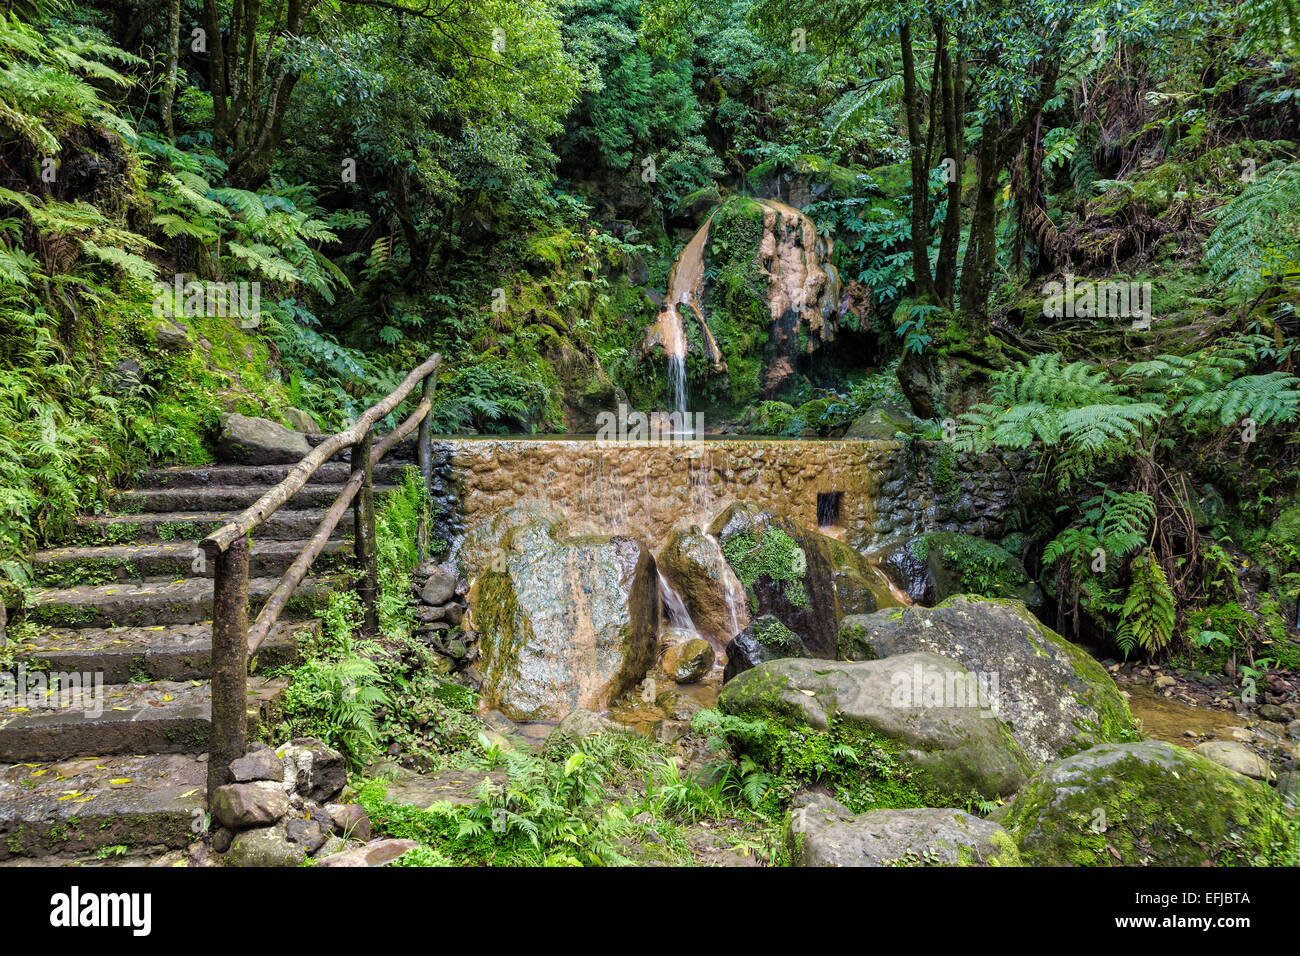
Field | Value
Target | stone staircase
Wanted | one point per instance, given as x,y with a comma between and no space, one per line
119,760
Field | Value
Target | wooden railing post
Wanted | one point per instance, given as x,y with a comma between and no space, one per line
363,529
229,729
424,452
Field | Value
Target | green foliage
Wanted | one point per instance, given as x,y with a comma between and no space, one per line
770,554
335,702
1255,239
1148,611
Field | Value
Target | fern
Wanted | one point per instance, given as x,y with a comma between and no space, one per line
1148,615
1257,232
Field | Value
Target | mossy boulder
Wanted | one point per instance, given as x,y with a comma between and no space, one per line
687,661
880,423
823,832
483,545
958,563
1147,803
1055,698
564,623
806,580
951,746
765,639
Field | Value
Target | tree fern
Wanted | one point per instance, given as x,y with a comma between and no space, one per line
1257,231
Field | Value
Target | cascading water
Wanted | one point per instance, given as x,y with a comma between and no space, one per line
670,330
675,607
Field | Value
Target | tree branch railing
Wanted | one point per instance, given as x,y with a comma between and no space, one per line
233,641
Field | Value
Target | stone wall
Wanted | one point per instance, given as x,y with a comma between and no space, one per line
884,489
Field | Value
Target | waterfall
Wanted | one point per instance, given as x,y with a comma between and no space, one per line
684,283
678,616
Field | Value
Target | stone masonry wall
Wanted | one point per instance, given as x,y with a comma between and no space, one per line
887,490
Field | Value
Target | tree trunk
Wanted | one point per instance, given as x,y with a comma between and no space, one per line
953,81
173,56
922,279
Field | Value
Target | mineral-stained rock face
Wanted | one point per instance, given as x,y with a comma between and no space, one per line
806,580
693,563
918,703
823,832
1054,697
564,623
1139,803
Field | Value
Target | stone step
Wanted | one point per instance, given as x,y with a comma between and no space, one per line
160,717
388,471
186,601
404,450
168,560
192,526
224,498
82,805
160,652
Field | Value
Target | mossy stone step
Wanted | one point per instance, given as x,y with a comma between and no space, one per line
388,472
83,805
187,601
159,717
192,526
160,652
168,560
219,498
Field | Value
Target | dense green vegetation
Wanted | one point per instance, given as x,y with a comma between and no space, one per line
511,183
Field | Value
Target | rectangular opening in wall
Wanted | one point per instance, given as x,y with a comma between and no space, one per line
828,509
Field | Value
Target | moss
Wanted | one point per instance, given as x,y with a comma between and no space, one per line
1140,804
736,303
772,554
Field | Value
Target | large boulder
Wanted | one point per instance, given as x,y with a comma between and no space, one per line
692,563
805,579
920,706
481,548
564,623
823,832
765,639
1053,696
1147,803
257,441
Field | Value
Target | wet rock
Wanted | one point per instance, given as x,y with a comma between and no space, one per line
243,805
765,639
377,853
257,441
908,572
566,623
823,832
1146,803
1274,712
1236,757
579,724
439,588
805,579
1053,695
265,846
688,661
312,770
693,564
952,746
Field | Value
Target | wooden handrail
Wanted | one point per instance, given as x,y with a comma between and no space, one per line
233,642
292,577
301,473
